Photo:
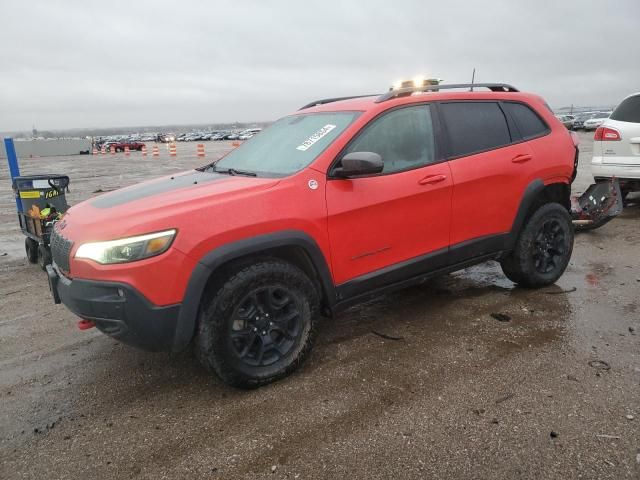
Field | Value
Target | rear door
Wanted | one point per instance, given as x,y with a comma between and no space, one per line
626,120
490,174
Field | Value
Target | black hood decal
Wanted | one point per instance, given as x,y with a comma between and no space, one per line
120,197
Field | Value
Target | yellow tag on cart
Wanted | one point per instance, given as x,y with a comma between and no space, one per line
30,194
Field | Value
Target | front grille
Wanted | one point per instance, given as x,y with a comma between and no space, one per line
60,250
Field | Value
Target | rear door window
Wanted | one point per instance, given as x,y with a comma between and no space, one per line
628,110
527,121
474,127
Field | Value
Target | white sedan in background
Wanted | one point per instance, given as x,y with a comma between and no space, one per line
595,122
616,146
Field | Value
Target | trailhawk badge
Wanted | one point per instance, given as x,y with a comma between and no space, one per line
313,184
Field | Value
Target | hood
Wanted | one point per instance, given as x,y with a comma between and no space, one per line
158,204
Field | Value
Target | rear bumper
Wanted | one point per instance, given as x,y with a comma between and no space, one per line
608,170
118,310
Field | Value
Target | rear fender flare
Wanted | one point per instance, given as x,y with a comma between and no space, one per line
528,198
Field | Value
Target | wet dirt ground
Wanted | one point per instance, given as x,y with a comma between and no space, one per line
549,390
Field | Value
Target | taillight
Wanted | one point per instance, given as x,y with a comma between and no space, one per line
575,138
605,134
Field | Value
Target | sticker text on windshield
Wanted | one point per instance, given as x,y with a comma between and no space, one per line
304,146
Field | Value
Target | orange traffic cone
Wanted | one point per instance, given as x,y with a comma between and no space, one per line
126,150
103,149
144,150
95,151
235,144
156,151
113,150
201,150
172,150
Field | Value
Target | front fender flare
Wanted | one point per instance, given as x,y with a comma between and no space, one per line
187,318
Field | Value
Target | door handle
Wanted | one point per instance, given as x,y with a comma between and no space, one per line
522,158
431,179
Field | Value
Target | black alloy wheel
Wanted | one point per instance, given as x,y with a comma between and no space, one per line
266,326
549,246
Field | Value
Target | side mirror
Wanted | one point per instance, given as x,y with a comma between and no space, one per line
359,163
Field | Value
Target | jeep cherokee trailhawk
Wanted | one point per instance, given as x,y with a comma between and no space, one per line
337,203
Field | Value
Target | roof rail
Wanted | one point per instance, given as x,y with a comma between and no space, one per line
336,99
403,92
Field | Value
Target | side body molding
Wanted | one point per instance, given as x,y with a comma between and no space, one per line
185,329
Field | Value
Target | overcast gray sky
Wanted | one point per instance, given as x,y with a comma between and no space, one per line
123,63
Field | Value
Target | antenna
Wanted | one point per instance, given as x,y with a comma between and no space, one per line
473,77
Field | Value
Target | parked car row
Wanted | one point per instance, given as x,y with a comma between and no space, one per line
218,135
583,121
135,141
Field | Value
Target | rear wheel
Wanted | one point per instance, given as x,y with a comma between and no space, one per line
543,248
259,326
31,247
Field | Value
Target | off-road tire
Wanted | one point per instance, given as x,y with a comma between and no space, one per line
31,249
44,257
214,346
523,264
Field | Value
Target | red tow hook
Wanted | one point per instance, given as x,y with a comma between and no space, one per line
85,324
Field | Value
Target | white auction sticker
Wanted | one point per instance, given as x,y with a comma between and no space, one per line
304,146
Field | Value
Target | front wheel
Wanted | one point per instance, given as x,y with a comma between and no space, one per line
258,326
543,248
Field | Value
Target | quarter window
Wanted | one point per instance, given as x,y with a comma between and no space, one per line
403,138
474,127
528,122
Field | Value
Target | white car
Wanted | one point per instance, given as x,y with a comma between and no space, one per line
595,122
616,146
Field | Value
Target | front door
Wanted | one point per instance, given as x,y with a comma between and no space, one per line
383,227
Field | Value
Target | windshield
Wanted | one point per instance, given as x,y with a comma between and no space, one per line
289,145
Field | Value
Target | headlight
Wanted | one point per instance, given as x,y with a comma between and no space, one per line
127,249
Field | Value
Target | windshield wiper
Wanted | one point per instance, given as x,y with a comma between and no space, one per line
234,171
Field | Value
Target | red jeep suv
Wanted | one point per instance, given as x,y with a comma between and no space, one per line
341,201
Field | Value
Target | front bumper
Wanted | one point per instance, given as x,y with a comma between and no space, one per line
118,310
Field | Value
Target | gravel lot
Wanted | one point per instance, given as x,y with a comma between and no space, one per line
459,394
